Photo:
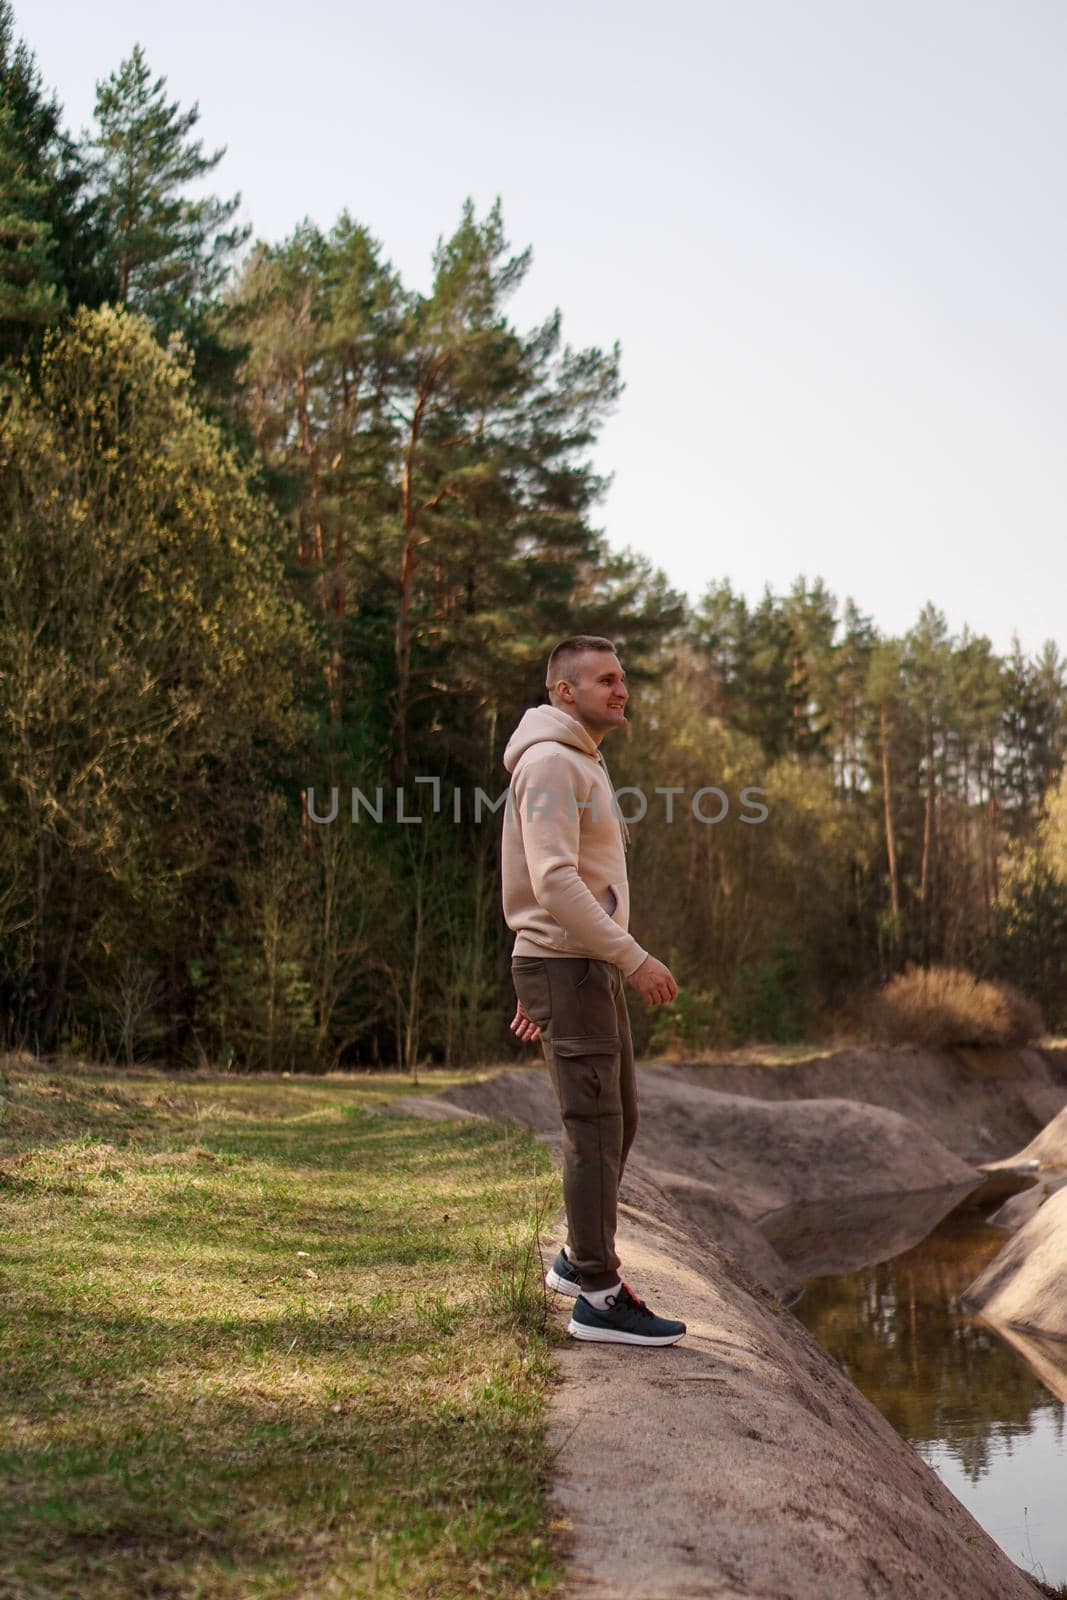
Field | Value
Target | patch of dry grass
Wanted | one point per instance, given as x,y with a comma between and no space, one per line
259,1341
769,1055
938,1007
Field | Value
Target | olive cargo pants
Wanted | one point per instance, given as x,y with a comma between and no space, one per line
580,1007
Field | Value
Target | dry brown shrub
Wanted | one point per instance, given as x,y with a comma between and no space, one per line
941,1006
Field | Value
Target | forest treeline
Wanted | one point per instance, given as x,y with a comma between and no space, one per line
277,525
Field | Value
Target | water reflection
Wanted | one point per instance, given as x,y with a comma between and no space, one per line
983,1407
832,1236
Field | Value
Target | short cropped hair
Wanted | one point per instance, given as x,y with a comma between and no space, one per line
562,661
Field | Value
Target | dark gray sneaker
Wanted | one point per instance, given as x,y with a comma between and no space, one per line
562,1277
625,1320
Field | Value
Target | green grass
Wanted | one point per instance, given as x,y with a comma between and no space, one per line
257,1340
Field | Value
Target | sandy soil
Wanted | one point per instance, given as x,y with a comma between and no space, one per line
742,1462
978,1103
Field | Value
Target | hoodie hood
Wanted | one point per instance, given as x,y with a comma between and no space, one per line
548,722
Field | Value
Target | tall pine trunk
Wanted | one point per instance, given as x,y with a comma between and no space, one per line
890,838
408,520
928,821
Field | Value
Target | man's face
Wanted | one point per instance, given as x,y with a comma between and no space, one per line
599,697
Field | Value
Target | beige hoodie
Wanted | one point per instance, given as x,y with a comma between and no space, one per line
562,856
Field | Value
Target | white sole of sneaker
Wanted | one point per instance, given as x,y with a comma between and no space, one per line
561,1286
578,1330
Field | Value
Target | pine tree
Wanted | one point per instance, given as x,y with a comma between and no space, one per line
772,665
852,657
885,697
926,670
1029,751
315,319
495,488
170,255
719,633
47,169
812,614
29,294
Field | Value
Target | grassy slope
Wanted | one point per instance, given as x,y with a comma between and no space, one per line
259,1341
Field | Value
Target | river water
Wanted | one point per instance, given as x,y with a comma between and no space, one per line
983,1406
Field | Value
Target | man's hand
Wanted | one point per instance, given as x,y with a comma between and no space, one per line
523,1026
654,982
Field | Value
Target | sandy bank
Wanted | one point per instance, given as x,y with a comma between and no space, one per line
980,1104
743,1462
1046,1151
1026,1284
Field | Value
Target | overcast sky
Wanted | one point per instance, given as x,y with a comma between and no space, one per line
830,236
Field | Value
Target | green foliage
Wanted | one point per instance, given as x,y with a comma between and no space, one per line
1029,940
431,460
696,1022
257,1002
770,664
145,697
29,293
353,576
169,254
1050,844
770,998
54,181
1033,730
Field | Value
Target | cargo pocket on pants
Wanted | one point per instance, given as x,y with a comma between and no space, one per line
588,1044
587,1071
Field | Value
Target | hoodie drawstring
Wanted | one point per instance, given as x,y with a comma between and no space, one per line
623,829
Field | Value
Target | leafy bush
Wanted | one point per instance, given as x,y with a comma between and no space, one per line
696,1021
941,1006
1029,940
769,1003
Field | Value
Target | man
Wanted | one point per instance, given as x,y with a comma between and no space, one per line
567,900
